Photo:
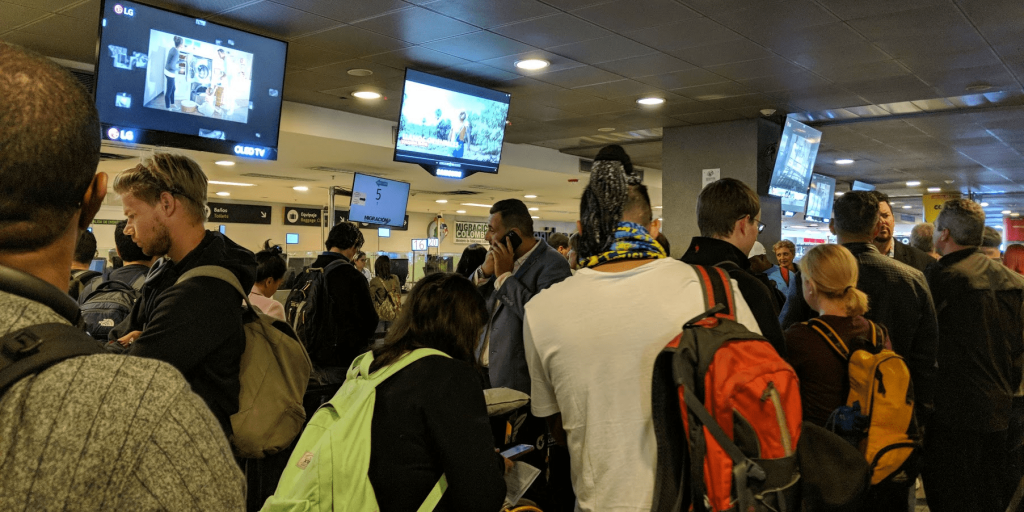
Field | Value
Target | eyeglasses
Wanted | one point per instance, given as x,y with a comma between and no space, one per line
760,226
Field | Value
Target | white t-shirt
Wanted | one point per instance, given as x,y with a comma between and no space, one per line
590,344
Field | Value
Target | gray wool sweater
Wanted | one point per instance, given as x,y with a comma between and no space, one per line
109,432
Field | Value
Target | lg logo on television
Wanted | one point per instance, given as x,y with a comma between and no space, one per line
125,135
127,11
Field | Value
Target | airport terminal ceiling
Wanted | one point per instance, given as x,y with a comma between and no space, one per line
924,90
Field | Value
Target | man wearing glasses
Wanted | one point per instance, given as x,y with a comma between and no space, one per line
729,218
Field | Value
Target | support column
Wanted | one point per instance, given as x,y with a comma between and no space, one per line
735,147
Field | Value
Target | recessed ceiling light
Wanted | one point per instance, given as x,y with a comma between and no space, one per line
978,87
231,184
1014,214
984,205
658,207
1005,212
608,129
934,189
223,194
651,101
844,161
300,188
907,207
534,217
533,209
913,183
460,211
224,162
442,201
839,193
479,205
366,95
532,64
530,196
360,72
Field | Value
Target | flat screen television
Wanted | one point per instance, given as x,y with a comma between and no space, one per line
166,79
860,185
820,196
792,174
378,201
451,128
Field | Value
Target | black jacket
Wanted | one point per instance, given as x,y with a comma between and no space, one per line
709,252
197,326
354,311
911,256
980,304
899,299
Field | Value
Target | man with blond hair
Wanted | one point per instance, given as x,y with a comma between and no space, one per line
196,325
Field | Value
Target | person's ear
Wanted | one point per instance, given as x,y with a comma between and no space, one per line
655,228
167,203
93,199
832,226
809,287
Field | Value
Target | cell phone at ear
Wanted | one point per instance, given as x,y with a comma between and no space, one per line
514,237
517,451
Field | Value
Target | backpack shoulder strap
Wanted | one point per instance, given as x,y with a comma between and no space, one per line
717,290
105,286
878,335
36,348
335,264
216,272
831,336
139,281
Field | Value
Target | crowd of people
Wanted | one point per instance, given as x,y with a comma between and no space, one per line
140,418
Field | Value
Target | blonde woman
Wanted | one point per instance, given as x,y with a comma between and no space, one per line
830,287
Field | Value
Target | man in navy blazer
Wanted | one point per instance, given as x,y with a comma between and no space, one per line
510,276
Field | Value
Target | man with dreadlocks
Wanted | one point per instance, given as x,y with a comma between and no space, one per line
591,342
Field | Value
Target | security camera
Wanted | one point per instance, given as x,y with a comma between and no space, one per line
767,111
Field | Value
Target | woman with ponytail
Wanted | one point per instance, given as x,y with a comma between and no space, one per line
830,287
270,271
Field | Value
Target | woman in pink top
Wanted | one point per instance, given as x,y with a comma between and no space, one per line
269,276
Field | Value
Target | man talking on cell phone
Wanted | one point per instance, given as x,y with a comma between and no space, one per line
517,268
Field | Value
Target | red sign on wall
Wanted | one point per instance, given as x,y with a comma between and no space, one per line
814,240
1013,229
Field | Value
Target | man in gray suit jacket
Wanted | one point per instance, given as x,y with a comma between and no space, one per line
510,276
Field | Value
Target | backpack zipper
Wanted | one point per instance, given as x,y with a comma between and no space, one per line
770,393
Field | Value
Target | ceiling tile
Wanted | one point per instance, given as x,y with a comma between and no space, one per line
892,89
645,65
961,60
572,5
526,86
347,11
416,25
716,116
78,46
714,91
508,62
340,69
838,56
603,49
578,77
684,34
756,100
416,57
755,68
847,10
561,98
552,30
14,15
478,73
42,5
537,112
620,88
270,18
797,41
859,72
943,17
479,46
626,15
199,8
765,20
711,7
353,41
685,78
305,56
311,81
87,11
797,80
597,107
954,82
722,53
497,13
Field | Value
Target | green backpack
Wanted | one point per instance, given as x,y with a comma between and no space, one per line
329,469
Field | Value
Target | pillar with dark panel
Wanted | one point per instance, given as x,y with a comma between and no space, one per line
743,149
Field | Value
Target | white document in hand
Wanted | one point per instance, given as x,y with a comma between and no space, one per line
517,481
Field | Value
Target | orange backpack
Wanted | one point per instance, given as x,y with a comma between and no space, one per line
878,417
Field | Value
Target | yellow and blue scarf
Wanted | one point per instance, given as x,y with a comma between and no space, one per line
632,242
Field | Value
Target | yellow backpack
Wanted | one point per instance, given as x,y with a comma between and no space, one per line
878,417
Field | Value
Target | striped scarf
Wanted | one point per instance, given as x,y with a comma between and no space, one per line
632,242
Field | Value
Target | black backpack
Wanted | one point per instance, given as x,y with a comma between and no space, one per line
36,348
108,305
309,310
79,280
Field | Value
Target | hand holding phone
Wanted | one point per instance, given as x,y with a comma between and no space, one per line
513,237
517,451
